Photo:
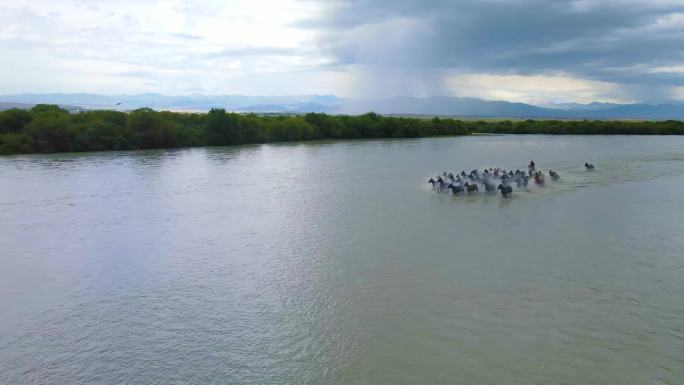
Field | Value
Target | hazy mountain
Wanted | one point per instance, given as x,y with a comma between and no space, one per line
636,111
9,105
470,107
465,107
25,106
445,106
594,106
182,102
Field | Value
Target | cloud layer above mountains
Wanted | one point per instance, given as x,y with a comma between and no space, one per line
538,51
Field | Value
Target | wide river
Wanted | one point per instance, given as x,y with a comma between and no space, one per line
335,263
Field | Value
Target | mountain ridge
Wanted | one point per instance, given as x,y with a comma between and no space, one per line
440,105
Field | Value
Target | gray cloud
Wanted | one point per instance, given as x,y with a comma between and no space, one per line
603,49
615,41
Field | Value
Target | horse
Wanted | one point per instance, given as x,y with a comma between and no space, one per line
589,166
455,189
442,185
521,182
505,190
489,186
554,175
471,187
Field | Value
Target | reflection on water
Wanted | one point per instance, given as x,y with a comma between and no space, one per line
333,262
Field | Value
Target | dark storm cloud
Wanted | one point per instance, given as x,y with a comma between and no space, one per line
617,41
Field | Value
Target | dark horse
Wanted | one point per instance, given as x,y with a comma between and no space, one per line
455,189
505,190
471,187
589,166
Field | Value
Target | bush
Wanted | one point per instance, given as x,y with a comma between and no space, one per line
48,128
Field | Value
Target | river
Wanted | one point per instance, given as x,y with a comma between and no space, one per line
335,263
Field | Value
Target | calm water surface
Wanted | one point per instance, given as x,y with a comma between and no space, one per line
334,263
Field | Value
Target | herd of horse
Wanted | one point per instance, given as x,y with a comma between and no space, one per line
488,179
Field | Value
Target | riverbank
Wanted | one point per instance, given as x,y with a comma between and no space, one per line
49,129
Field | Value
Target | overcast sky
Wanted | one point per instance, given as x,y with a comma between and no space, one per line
538,51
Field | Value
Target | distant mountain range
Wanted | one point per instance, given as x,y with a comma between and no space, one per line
403,105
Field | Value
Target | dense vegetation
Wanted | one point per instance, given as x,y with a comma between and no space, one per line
581,127
47,128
